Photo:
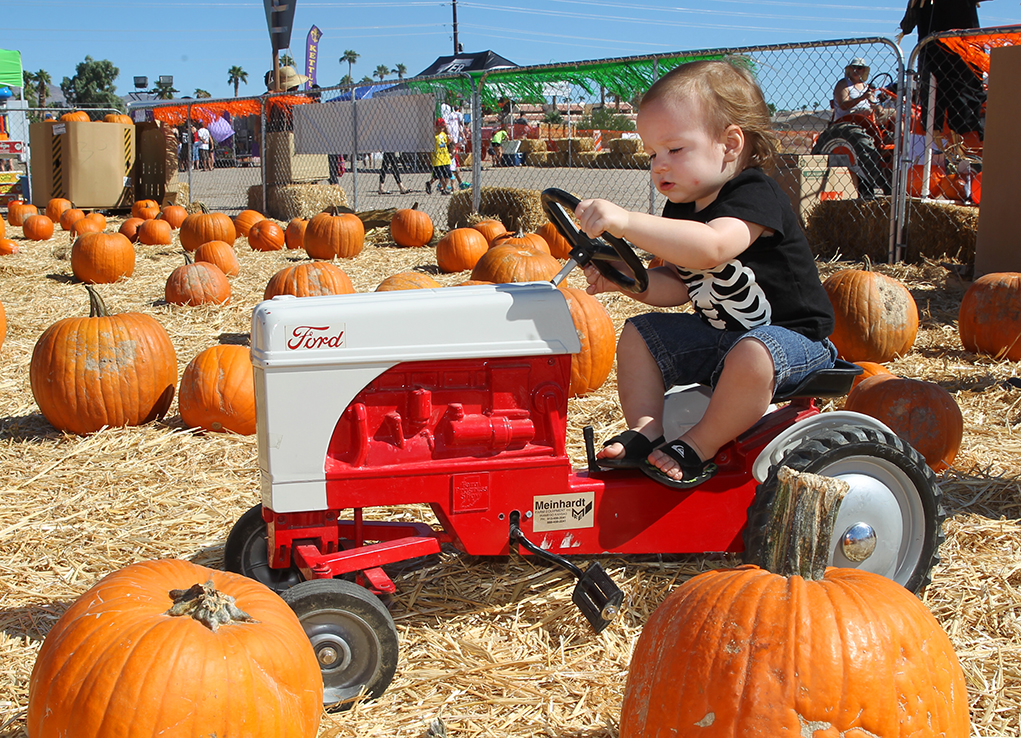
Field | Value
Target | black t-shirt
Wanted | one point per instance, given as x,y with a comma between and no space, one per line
775,280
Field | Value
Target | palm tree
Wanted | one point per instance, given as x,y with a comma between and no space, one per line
381,71
346,79
202,93
163,90
350,57
235,76
401,71
42,81
287,60
29,83
366,80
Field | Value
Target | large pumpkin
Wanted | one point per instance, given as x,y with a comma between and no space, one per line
294,233
170,648
460,249
102,258
56,207
521,239
266,235
806,651
197,283
411,227
244,221
503,264
77,116
922,413
18,211
989,320
69,217
218,390
113,370
490,228
154,232
876,316
309,279
330,235
129,228
591,366
145,209
37,228
174,215
198,228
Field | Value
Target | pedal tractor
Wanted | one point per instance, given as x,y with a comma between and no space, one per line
457,398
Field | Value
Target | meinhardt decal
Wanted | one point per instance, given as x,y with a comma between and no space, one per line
563,512
304,337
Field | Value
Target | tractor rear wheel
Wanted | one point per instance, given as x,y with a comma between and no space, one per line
850,140
890,522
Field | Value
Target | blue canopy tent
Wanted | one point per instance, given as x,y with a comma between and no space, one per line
362,93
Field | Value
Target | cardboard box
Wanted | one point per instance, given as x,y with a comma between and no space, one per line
91,164
809,179
283,166
996,246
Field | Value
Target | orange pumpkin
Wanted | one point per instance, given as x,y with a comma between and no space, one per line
8,247
591,366
198,228
460,249
218,390
85,225
130,228
145,209
490,228
3,228
515,264
989,319
294,234
876,316
333,234
56,207
174,215
160,645
922,413
869,369
197,283
77,116
244,221
37,228
102,258
266,235
18,211
411,227
69,217
559,246
118,118
220,253
745,652
77,361
97,218
309,279
407,281
155,232
522,240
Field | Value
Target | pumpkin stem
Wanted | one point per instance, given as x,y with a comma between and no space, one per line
205,604
97,308
801,523
866,263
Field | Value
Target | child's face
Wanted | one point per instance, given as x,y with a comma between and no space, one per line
689,164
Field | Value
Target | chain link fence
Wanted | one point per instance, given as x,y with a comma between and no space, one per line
854,174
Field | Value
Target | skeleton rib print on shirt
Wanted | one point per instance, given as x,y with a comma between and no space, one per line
728,297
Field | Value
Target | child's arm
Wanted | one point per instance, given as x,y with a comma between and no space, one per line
689,244
666,288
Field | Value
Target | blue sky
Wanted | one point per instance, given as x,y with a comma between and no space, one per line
198,42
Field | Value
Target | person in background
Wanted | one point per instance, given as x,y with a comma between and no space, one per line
205,139
496,145
196,146
390,165
734,250
440,159
852,94
456,132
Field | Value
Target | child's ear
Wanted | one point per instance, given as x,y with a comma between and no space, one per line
733,143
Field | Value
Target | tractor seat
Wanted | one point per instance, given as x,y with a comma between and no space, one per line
833,382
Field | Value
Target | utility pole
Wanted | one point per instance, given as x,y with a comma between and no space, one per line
457,46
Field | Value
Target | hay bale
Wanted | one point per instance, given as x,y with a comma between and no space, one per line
537,158
176,193
575,145
532,145
296,200
584,158
517,208
853,229
627,146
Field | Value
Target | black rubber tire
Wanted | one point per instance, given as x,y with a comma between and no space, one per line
867,160
875,463
246,552
345,620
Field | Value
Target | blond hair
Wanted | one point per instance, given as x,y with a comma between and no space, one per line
728,95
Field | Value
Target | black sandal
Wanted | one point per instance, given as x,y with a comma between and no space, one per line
694,469
636,450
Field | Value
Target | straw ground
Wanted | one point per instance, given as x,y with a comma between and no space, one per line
493,648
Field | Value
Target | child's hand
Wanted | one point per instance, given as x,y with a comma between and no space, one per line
597,283
596,217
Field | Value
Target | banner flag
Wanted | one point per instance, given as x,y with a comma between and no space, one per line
312,55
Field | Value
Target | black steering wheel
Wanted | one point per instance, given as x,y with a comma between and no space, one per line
885,86
603,252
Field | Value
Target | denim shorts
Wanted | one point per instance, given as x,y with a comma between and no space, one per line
688,351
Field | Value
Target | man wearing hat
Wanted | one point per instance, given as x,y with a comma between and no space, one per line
852,94
287,80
